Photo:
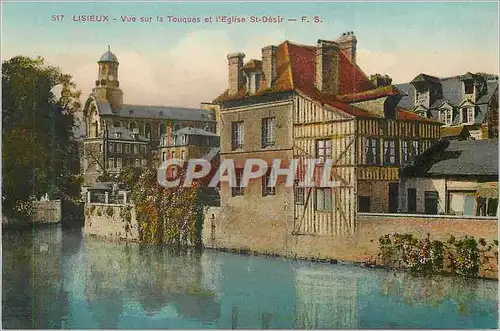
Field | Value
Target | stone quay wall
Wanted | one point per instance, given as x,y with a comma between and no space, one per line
250,236
111,221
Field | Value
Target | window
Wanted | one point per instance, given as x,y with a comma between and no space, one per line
119,163
127,148
266,190
183,155
137,162
445,116
372,151
144,162
100,148
143,149
164,156
136,149
299,195
132,126
173,155
415,148
390,152
431,202
115,147
469,87
147,130
237,191
237,135
492,207
257,81
117,124
111,162
324,149
412,200
110,147
119,147
268,131
162,129
323,199
363,204
405,152
118,134
468,115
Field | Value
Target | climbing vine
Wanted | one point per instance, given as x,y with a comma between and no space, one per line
165,215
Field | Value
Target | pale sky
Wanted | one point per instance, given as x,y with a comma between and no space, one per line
185,64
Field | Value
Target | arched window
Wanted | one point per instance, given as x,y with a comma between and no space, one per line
132,126
177,126
147,130
163,129
117,124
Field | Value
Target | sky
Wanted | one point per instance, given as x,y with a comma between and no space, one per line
183,64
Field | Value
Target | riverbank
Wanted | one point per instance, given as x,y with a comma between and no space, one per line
95,284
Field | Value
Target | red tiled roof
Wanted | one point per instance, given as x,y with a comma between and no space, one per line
295,70
404,114
370,94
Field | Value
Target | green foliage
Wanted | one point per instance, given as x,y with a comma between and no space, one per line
423,255
164,215
109,211
98,211
39,152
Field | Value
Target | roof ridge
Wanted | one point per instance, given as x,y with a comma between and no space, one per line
173,107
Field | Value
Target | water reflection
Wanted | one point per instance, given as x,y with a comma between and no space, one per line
54,279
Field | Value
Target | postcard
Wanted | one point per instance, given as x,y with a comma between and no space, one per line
249,165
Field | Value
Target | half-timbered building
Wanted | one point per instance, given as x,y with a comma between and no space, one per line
303,102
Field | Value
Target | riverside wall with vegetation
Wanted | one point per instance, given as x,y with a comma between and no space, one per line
256,236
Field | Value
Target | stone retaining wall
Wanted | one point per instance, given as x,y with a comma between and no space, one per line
110,221
249,235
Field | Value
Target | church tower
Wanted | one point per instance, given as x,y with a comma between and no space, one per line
107,86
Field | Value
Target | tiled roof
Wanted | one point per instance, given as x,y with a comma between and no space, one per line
296,72
125,134
157,112
370,94
252,64
451,131
425,78
193,131
457,158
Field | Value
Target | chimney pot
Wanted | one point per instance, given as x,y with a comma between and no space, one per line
326,66
236,76
269,64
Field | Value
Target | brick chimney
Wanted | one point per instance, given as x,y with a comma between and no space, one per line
347,42
327,66
236,76
379,81
269,64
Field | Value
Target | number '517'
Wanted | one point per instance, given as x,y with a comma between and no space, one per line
57,18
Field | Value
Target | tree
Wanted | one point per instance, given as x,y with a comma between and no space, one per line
39,152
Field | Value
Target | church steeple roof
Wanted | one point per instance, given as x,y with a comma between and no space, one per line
108,56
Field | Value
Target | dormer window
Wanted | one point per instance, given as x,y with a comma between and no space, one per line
468,115
422,97
446,116
469,87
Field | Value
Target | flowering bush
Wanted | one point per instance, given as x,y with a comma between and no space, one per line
423,255
24,208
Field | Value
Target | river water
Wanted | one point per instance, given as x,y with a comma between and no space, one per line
55,278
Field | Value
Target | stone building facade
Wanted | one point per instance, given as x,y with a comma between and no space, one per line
105,115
